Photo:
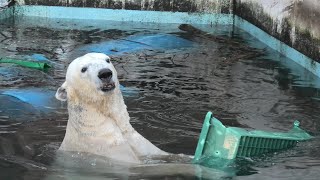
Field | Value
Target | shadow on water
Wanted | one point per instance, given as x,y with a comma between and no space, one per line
168,91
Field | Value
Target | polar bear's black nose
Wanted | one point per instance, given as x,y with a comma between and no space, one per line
105,74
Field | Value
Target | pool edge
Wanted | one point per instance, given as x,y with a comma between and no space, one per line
118,15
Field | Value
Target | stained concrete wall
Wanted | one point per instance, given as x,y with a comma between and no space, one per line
294,22
216,6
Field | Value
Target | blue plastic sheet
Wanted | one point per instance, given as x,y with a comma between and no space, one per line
39,98
138,43
39,57
44,99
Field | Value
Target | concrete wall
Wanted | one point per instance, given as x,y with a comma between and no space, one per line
216,6
294,22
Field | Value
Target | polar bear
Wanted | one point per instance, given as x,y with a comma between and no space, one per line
98,119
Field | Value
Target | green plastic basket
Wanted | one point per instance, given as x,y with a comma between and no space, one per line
28,64
219,141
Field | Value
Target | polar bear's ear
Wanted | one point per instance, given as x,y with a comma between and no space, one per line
61,93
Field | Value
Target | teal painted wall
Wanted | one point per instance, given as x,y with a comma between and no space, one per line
6,13
216,6
123,15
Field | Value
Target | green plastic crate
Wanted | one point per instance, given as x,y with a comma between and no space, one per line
218,141
28,64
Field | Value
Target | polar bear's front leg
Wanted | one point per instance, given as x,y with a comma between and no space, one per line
141,145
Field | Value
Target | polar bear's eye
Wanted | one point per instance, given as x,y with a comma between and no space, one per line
108,60
84,69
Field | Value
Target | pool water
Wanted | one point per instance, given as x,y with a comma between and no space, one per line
170,79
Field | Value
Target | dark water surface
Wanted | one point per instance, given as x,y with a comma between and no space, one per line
170,80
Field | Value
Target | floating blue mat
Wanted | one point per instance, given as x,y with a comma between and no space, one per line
39,57
138,43
39,98
45,100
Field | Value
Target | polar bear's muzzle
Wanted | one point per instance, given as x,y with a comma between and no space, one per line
105,75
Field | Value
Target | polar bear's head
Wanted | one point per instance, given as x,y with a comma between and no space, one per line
89,77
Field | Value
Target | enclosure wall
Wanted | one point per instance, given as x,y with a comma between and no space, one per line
294,22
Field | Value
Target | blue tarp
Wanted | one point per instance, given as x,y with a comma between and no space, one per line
39,98
138,43
44,99
39,57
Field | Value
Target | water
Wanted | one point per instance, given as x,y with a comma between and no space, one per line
167,89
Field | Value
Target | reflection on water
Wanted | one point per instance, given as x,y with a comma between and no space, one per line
168,91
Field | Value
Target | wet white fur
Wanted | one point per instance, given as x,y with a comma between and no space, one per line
98,121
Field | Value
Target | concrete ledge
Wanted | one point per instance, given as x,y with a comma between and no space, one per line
123,15
208,6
